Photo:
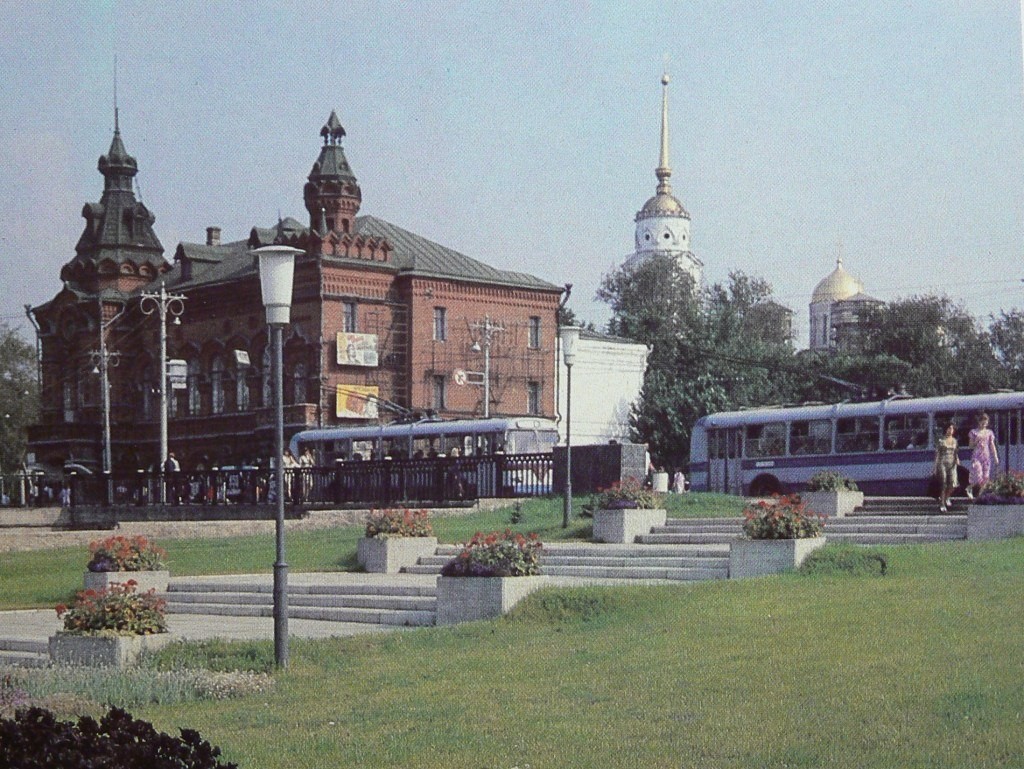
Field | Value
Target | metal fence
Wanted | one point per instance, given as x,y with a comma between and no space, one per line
436,481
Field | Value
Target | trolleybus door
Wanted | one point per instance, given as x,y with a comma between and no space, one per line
1006,425
725,452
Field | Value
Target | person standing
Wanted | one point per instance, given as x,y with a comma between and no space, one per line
679,482
946,464
984,456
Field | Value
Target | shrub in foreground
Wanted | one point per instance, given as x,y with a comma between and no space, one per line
845,559
830,480
35,738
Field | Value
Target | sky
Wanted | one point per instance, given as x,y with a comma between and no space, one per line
525,134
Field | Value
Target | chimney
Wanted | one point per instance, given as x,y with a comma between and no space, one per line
213,236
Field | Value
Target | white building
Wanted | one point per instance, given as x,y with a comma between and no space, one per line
607,378
663,224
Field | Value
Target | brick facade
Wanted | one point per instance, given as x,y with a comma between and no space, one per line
355,271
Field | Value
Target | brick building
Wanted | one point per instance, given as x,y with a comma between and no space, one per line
383,324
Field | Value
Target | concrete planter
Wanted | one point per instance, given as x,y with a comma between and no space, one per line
758,557
391,554
117,651
995,521
624,526
101,580
833,503
464,599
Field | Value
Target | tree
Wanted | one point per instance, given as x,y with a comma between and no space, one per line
711,350
939,346
1006,334
19,397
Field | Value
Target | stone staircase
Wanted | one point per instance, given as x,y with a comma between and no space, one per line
881,521
612,562
24,653
404,605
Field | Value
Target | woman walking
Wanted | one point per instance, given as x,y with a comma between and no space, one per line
984,456
946,465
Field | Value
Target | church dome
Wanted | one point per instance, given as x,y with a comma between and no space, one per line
836,286
662,204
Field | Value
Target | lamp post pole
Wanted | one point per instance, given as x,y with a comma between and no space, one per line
102,361
569,336
276,267
487,330
163,303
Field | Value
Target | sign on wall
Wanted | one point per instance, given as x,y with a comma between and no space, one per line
356,401
357,349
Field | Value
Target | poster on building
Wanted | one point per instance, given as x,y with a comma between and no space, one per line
357,349
356,402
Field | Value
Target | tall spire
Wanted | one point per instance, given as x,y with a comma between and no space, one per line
663,171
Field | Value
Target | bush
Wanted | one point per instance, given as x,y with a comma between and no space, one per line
497,555
781,518
830,480
35,738
117,609
125,554
398,522
845,559
628,494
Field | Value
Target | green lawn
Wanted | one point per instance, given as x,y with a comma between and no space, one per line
923,667
47,577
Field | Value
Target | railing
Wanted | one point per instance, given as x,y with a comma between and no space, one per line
443,480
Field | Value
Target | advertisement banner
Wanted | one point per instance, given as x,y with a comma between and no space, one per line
357,349
357,401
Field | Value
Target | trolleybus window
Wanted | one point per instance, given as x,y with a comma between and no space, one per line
810,437
857,434
766,440
963,421
906,431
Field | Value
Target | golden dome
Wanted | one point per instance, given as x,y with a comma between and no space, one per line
662,204
836,286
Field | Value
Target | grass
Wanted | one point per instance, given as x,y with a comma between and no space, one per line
922,667
43,578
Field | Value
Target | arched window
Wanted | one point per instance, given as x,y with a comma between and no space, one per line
192,382
149,392
241,387
217,386
299,383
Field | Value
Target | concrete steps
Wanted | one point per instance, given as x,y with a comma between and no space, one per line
24,653
365,603
619,562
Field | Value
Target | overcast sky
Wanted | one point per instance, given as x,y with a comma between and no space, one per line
525,134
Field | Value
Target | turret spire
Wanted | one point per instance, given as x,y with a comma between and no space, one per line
664,171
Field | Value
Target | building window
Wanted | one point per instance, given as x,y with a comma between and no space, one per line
350,317
299,383
217,386
440,392
535,332
440,324
533,397
69,402
242,388
192,382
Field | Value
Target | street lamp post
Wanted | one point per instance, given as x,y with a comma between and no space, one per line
277,269
569,336
163,303
487,331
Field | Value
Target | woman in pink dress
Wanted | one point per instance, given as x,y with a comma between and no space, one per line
984,456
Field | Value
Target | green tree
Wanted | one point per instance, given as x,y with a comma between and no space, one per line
1006,334
718,349
19,397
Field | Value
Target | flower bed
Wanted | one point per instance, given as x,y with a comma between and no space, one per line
119,609
506,554
627,495
125,554
395,538
785,517
398,522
